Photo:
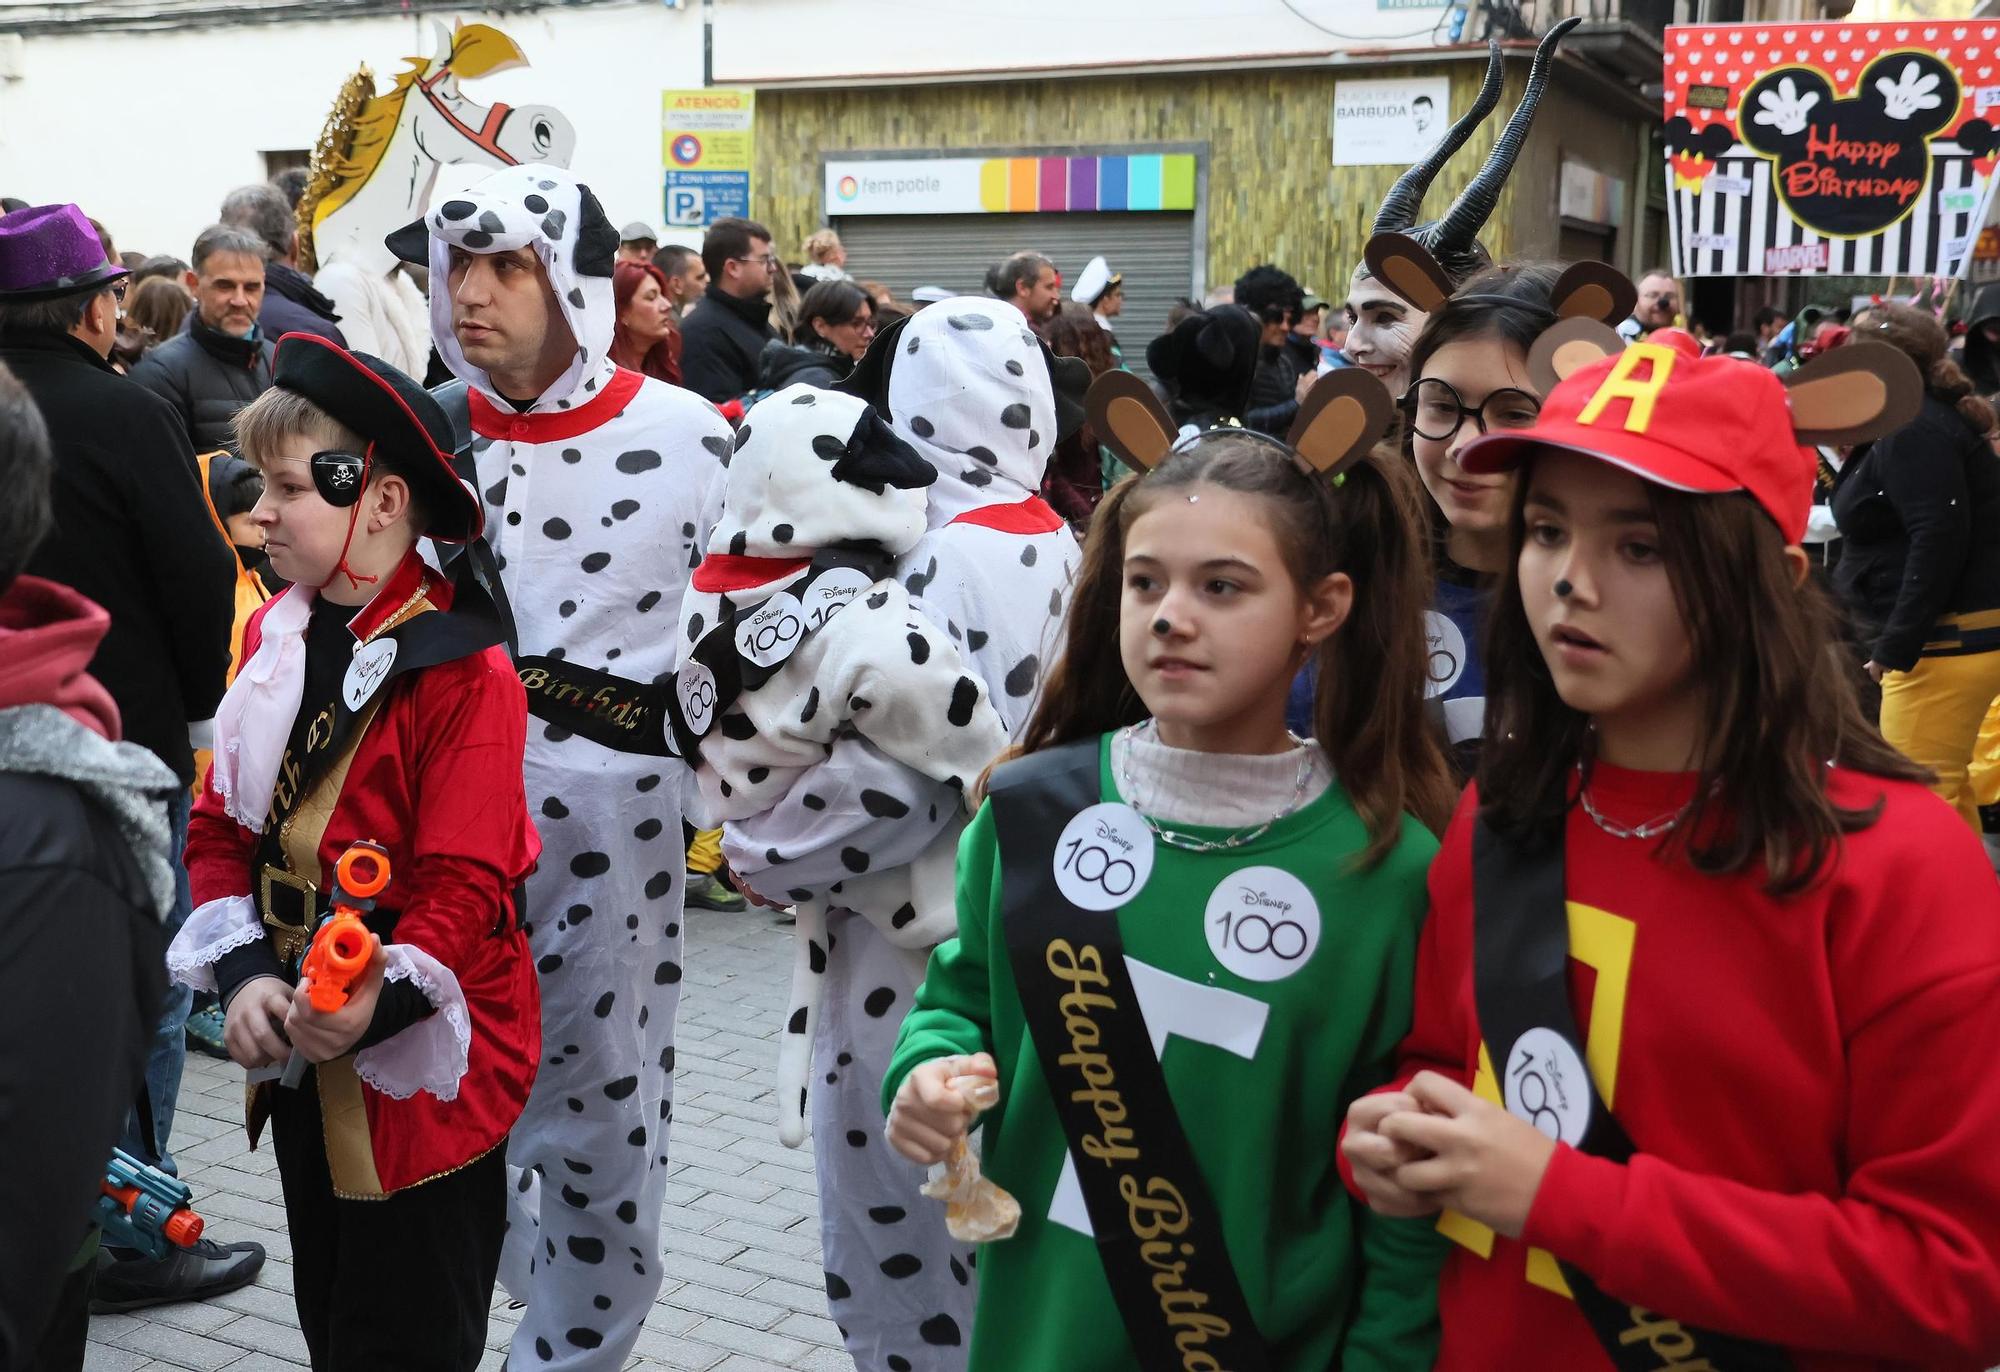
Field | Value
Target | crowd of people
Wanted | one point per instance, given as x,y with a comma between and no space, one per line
1438,829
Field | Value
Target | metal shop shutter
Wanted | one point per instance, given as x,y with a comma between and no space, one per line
1155,252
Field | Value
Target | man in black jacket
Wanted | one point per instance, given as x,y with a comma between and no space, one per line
722,341
1982,341
223,361
132,533
1276,299
291,304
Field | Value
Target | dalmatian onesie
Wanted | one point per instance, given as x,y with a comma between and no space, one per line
591,496
972,389
849,662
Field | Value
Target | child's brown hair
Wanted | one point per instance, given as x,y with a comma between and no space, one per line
279,415
1779,706
1368,709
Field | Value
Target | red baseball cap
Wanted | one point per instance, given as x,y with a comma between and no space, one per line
1702,424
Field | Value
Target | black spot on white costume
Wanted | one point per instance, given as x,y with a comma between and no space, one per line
610,986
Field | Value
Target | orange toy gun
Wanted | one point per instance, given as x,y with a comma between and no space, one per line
341,947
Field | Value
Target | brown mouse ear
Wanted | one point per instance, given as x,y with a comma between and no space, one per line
1593,290
1406,267
1570,345
1130,420
1853,393
1341,418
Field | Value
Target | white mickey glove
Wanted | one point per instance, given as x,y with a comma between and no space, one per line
1911,92
1785,109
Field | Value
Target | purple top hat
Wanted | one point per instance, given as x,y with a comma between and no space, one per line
48,251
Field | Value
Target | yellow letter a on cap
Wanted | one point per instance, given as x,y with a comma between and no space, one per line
1621,385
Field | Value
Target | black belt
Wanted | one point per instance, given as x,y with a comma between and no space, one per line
292,908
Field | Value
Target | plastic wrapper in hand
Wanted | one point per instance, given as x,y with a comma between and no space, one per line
976,1210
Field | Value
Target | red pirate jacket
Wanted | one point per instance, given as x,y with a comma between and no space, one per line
435,777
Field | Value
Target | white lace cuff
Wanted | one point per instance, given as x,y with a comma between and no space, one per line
431,1054
217,928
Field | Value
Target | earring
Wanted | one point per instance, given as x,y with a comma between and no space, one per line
1564,590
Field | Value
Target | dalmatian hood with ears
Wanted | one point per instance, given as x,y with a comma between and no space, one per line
533,205
969,385
813,469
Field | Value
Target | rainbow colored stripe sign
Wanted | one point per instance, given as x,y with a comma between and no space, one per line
1012,185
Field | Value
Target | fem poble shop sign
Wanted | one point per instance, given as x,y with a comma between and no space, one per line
1830,149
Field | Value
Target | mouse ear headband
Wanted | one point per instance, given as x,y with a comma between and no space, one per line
1340,419
1585,290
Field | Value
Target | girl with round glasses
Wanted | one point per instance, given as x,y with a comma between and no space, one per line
1469,373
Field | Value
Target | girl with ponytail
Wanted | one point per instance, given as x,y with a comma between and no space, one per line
1919,569
1264,895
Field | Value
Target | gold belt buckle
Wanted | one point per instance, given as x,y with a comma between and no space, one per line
288,940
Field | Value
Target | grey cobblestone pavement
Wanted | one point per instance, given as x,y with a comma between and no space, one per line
743,1286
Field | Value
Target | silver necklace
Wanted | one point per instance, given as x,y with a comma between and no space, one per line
1188,842
1652,828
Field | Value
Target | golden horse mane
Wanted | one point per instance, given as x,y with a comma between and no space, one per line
361,126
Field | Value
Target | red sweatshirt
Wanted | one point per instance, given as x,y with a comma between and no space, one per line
1809,1082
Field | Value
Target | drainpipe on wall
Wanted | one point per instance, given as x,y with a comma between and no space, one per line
1647,167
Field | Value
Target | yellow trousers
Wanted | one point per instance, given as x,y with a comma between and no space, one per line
1944,714
704,857
1986,760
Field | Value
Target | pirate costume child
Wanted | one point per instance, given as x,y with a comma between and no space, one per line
402,724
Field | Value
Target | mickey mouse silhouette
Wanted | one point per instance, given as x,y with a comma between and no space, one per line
1853,166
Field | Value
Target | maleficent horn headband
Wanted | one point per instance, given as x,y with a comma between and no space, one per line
1453,240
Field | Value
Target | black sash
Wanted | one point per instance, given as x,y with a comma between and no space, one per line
652,719
670,718
1158,1233
1521,984
470,626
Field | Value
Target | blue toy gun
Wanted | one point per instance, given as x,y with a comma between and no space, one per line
142,1207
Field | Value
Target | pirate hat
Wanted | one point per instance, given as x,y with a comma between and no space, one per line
400,420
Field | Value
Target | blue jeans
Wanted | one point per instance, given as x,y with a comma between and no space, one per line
169,1050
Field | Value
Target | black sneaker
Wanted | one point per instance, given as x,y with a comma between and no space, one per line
129,1280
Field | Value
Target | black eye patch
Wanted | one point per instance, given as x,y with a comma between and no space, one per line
339,476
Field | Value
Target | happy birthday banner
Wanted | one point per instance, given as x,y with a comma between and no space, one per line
1830,149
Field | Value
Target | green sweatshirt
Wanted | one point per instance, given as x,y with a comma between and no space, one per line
1329,1283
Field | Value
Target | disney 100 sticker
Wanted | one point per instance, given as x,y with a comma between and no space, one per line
1545,1085
367,672
1262,923
1104,857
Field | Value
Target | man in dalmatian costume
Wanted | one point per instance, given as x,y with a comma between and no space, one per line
977,395
591,477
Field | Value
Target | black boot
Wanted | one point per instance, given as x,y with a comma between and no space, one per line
129,1280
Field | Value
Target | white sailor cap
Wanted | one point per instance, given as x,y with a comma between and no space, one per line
930,295
1093,281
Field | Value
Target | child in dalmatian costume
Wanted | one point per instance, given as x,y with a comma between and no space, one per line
975,393
591,493
798,592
